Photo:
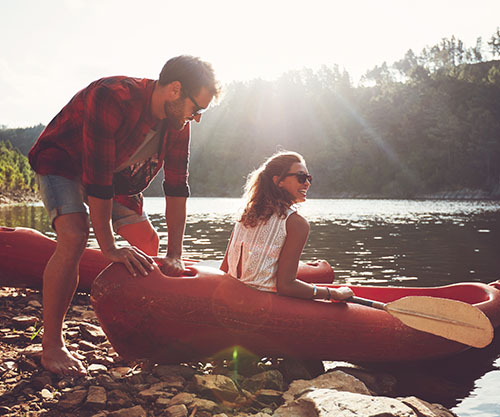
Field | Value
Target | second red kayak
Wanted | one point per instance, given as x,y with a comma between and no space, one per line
24,252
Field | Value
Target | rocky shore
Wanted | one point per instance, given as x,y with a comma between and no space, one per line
115,388
8,198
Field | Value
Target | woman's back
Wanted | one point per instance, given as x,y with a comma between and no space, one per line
254,252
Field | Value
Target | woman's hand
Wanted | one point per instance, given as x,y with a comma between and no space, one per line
341,293
173,267
133,258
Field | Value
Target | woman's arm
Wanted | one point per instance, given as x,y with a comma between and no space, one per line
297,229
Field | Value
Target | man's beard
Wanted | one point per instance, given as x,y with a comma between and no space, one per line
174,112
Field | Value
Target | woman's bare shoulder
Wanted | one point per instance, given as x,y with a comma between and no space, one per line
296,222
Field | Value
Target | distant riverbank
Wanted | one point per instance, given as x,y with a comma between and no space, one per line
8,198
24,197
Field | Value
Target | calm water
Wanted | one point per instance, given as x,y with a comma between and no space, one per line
375,242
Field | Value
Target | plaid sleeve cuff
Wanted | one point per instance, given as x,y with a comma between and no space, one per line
176,191
105,192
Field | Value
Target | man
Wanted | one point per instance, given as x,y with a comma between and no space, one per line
104,148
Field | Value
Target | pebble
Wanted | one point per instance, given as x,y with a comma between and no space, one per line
96,397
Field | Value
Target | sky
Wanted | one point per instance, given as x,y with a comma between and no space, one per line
50,49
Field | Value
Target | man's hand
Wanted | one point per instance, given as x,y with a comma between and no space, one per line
134,259
173,267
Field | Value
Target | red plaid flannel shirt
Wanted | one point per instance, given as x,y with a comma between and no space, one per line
102,127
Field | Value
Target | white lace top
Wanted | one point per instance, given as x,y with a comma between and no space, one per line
259,249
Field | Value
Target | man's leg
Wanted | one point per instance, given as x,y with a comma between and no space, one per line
63,199
141,235
60,280
135,227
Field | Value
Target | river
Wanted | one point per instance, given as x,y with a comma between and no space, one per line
373,242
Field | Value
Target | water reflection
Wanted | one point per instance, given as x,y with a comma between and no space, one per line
33,216
409,254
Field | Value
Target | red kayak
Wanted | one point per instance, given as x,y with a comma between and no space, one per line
206,312
24,253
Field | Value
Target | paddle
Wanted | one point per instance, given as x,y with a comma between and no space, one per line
451,319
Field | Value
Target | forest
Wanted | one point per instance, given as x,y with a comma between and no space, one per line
15,171
424,125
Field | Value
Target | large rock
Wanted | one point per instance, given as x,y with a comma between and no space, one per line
337,380
332,403
219,387
272,379
379,383
425,409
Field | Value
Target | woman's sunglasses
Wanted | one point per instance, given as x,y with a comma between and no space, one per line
302,177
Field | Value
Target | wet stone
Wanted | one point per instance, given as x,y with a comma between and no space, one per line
107,382
23,322
265,380
219,387
86,346
33,351
163,371
8,366
120,371
185,398
150,379
202,404
163,400
92,332
269,396
136,379
96,368
118,399
5,410
27,364
154,391
96,397
12,338
72,399
174,382
35,304
136,411
72,334
179,410
46,394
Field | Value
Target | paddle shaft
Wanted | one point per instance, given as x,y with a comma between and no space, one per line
369,303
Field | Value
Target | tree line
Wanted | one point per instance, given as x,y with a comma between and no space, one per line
427,123
15,171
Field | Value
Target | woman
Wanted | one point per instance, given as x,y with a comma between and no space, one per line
267,242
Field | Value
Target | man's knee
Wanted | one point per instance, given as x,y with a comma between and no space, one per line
73,233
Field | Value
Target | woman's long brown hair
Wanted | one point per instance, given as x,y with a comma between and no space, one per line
263,197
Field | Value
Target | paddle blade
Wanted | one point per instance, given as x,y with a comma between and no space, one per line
451,319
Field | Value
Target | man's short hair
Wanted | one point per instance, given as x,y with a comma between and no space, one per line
192,73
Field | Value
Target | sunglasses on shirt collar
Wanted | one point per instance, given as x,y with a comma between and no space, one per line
302,177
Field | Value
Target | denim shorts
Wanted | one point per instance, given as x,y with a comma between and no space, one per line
61,195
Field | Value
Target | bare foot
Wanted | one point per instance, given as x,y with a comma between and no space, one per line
61,362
